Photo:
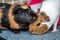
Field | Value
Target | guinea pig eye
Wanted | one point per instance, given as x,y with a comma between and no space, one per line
34,17
38,24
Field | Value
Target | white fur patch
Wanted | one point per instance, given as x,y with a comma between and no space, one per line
51,8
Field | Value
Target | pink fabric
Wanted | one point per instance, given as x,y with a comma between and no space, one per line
40,1
59,22
35,1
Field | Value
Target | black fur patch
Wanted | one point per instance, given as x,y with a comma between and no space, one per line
22,16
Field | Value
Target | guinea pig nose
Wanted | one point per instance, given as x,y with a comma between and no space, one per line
38,24
47,19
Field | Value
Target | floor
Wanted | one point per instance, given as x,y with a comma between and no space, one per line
25,35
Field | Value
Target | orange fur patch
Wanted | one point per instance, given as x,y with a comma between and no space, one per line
24,6
0,12
13,24
38,30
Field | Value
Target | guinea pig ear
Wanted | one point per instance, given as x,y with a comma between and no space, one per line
46,18
43,14
16,9
38,12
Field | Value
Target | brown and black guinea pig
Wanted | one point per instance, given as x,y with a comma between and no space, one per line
18,17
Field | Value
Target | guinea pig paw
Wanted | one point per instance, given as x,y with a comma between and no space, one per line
54,30
15,26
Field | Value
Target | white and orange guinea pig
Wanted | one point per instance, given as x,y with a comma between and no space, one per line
51,8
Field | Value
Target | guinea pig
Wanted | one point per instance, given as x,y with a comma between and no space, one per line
23,16
20,16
